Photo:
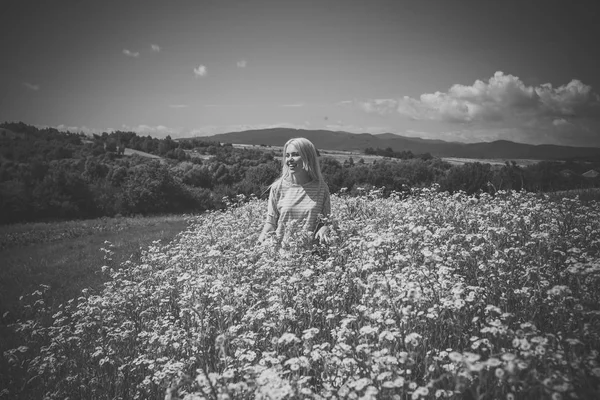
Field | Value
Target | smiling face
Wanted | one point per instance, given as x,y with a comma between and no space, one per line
293,160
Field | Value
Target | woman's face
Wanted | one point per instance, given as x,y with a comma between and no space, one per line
293,160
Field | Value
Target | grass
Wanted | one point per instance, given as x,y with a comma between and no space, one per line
67,256
585,195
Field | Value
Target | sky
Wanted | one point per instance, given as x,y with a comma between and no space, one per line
461,70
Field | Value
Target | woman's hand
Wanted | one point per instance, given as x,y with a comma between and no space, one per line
268,228
322,235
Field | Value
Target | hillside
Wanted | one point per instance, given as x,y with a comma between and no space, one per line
47,175
331,140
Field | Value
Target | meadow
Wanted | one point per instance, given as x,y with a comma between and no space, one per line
67,257
424,296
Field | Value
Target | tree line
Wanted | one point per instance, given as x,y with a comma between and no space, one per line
46,174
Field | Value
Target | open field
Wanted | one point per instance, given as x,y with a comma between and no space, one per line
342,156
67,256
339,155
425,297
131,152
519,161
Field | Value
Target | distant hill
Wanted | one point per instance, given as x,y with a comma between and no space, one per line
338,140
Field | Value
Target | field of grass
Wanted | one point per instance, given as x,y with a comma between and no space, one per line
67,257
584,195
341,156
422,297
130,152
522,162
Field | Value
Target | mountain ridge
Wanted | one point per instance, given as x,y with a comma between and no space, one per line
340,140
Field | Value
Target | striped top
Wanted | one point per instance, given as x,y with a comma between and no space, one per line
301,203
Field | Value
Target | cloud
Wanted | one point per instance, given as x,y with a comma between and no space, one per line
200,71
242,64
503,97
293,105
574,99
141,130
178,106
129,53
81,129
560,122
215,130
155,47
158,131
228,105
340,126
31,86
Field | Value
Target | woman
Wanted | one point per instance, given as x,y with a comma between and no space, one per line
299,196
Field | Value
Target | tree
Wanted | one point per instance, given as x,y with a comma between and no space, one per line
469,177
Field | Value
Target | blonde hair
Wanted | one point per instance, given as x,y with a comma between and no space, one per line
308,153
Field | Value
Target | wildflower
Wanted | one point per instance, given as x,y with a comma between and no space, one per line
559,290
310,333
493,362
367,330
361,383
288,338
413,338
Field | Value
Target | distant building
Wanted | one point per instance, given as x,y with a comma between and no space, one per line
592,173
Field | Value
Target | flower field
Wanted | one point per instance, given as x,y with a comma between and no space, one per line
423,297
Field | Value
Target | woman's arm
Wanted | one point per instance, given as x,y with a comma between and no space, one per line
272,214
323,229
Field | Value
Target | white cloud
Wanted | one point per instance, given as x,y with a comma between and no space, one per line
573,99
242,64
560,122
178,106
82,129
340,126
158,131
155,47
215,130
129,53
503,97
200,71
31,86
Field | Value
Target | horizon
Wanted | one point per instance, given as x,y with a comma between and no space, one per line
90,135
459,72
